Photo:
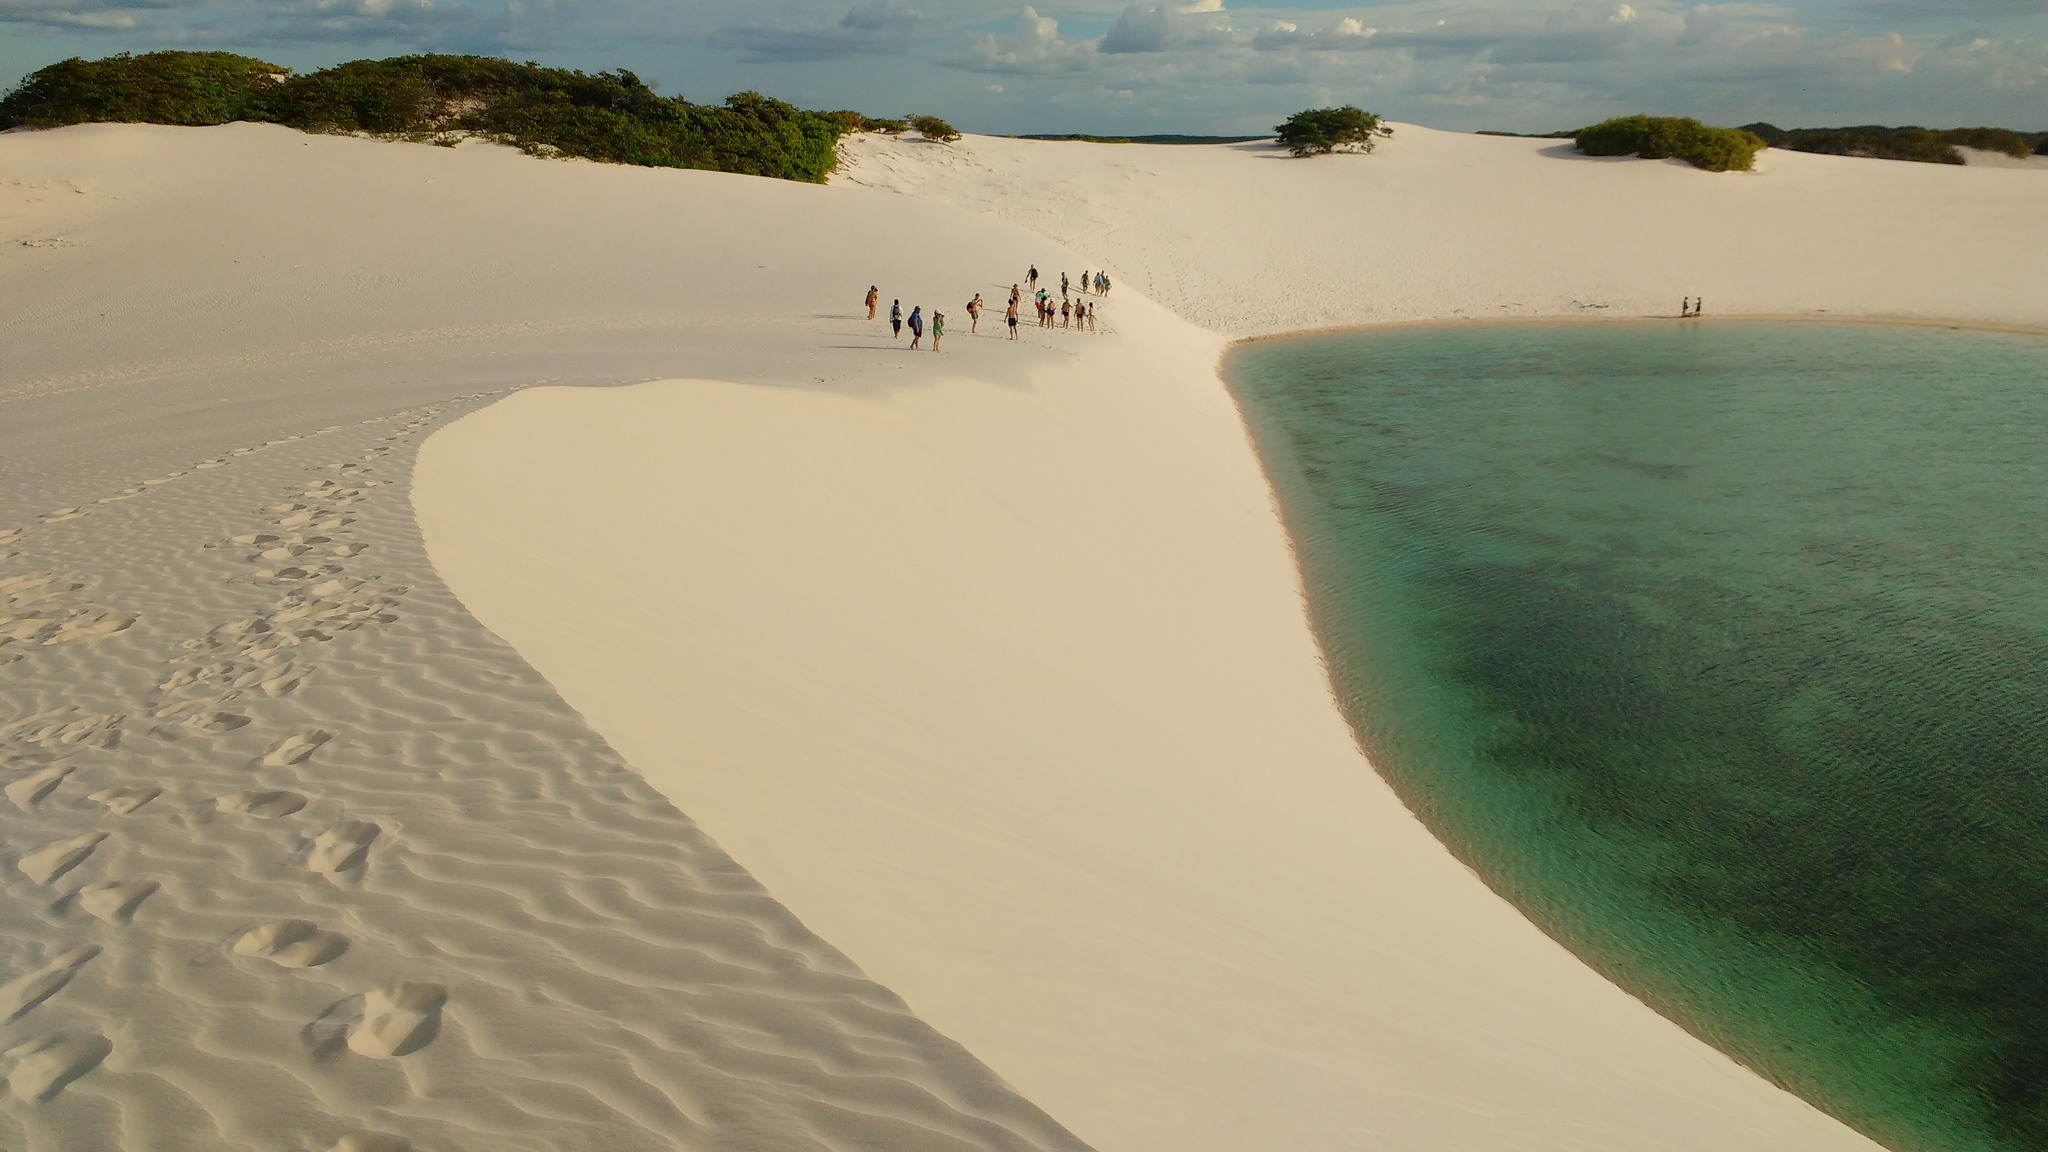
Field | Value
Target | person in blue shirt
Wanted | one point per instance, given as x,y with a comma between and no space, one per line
916,326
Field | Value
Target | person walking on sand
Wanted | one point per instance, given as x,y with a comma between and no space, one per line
1091,315
1011,316
1031,277
1085,281
874,295
974,308
896,317
1699,307
1016,294
1066,313
916,325
1685,308
938,328
1063,285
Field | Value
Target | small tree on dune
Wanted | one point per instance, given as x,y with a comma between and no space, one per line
934,129
1320,131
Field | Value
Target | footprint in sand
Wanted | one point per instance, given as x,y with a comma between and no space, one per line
342,848
93,626
261,805
215,721
59,515
388,1022
18,997
54,859
295,749
371,1142
398,1020
60,728
291,943
115,901
122,801
9,536
30,790
43,1066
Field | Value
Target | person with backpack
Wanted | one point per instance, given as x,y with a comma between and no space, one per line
916,325
896,317
974,308
874,295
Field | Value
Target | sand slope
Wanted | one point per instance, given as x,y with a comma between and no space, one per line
990,666
293,852
1008,690
1442,225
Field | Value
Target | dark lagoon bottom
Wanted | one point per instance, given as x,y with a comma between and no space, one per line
1722,651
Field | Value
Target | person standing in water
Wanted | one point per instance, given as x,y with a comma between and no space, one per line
874,296
896,317
1011,316
938,329
916,325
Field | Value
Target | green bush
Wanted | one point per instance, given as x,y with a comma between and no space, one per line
611,116
1662,137
1991,140
1320,131
155,88
1925,145
934,129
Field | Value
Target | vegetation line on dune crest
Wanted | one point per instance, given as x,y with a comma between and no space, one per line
610,116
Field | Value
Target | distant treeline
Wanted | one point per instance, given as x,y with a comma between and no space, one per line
610,116
1927,145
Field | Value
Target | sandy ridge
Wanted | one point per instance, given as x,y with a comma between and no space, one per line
298,854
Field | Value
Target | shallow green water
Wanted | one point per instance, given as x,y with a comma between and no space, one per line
1722,650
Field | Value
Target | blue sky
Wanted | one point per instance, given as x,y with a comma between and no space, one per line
1216,66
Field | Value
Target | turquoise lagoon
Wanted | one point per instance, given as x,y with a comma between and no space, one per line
1722,651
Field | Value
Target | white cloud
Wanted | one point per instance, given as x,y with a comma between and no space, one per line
865,29
1032,44
1144,28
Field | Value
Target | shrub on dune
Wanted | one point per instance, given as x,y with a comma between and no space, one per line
154,88
609,116
1321,131
1876,142
1683,138
934,129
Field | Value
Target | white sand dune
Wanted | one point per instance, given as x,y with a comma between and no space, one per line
990,666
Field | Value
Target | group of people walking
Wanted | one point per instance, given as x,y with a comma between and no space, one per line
1068,313
915,321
